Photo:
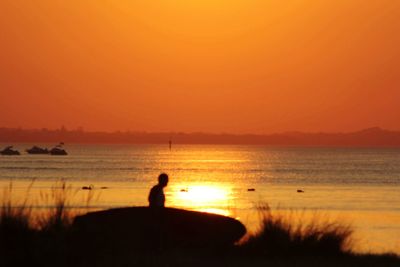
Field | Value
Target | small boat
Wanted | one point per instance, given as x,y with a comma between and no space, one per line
58,150
8,151
37,150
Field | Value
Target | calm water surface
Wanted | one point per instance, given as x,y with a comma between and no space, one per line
359,186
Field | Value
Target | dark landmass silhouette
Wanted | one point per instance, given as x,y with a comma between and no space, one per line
151,228
371,137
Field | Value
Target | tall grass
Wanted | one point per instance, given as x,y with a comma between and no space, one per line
58,217
14,215
16,232
283,235
43,236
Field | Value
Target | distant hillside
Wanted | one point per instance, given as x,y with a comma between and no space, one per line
373,137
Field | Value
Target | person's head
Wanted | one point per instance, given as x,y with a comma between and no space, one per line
163,179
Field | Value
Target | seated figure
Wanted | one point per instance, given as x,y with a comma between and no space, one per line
156,196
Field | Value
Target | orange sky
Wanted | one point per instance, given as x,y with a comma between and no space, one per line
254,66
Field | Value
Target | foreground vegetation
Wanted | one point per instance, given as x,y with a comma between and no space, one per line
28,239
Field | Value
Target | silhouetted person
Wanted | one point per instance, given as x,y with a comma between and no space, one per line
156,196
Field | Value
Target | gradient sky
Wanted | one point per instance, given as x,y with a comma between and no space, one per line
245,66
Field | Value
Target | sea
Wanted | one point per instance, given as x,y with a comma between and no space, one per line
354,186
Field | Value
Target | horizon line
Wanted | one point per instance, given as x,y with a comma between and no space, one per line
81,129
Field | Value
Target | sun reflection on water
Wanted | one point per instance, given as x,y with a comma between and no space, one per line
214,198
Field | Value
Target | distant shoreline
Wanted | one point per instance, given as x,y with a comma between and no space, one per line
371,137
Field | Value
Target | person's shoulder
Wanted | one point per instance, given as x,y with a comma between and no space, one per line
155,188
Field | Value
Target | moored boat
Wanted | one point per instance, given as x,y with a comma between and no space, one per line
58,150
8,151
37,150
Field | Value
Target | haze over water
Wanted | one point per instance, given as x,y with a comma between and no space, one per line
359,186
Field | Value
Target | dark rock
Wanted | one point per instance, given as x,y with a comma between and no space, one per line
148,228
